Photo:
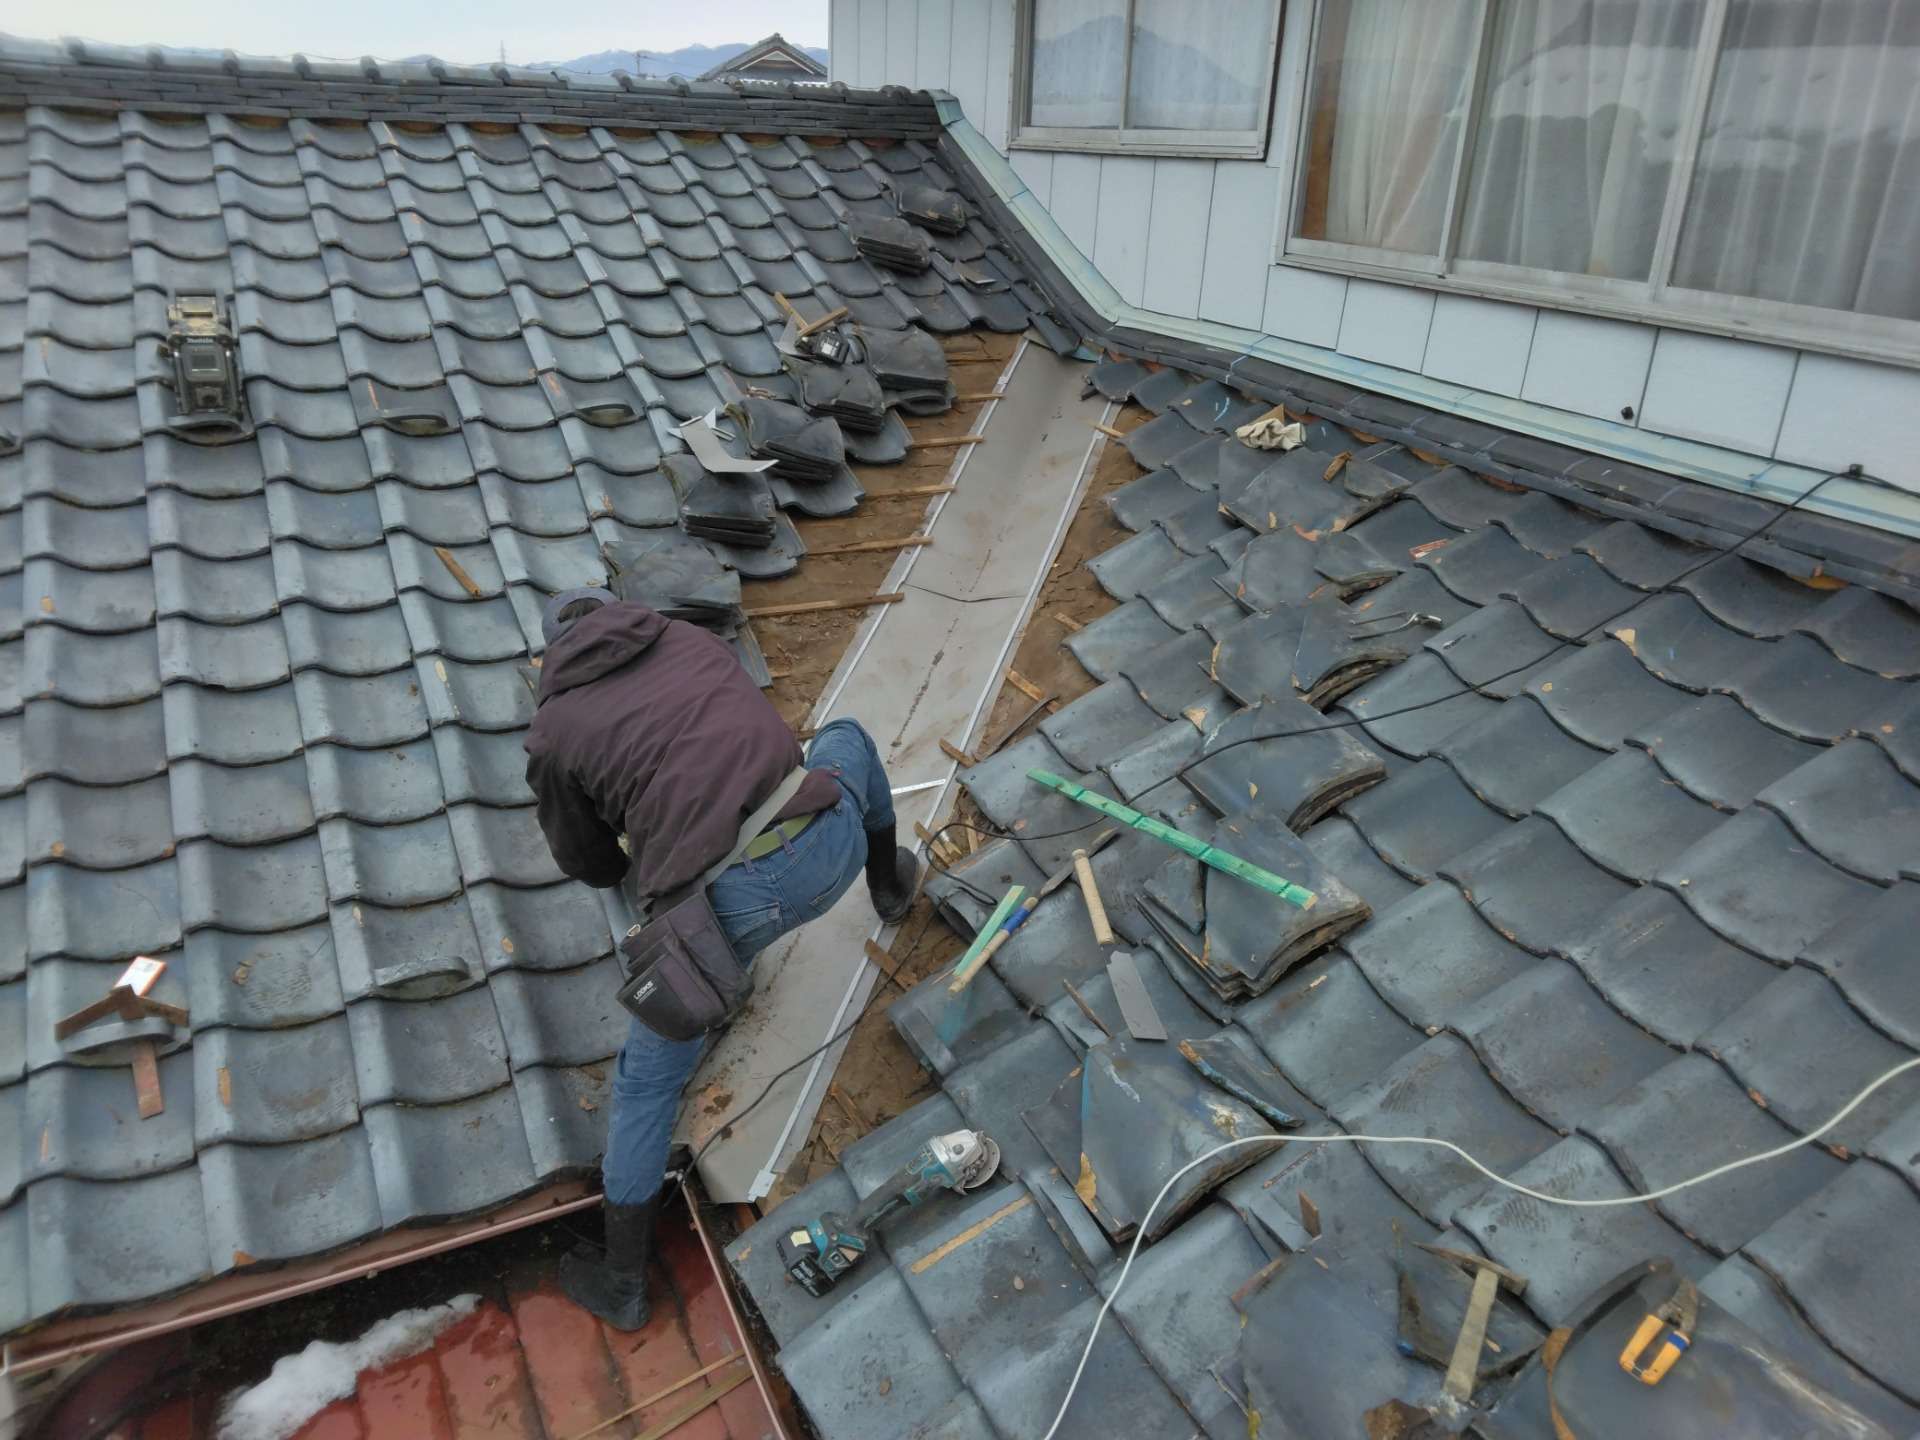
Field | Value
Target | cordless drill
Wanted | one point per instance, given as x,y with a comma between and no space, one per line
817,1254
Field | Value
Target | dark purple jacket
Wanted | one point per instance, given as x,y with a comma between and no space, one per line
649,726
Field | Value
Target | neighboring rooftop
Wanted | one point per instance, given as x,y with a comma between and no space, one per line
1615,843
774,58
262,684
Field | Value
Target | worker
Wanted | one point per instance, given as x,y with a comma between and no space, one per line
649,728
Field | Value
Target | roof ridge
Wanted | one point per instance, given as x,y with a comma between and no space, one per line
91,75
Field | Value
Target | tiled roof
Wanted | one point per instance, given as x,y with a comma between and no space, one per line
1636,905
260,698
525,1363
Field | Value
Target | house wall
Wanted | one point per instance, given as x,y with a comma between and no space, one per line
1197,239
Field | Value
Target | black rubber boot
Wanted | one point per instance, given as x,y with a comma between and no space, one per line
892,873
612,1283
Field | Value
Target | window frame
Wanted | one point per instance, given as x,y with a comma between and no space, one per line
1133,140
1658,300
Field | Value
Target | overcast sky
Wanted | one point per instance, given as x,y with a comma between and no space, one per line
466,30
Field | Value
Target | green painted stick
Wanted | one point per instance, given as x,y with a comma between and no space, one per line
971,961
1221,860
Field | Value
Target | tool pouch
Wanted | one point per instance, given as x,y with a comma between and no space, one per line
682,977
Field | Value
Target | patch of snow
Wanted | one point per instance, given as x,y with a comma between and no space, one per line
301,1386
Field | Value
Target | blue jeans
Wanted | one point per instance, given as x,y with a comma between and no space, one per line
756,902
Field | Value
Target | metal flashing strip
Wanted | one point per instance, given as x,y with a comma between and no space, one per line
933,676
1733,470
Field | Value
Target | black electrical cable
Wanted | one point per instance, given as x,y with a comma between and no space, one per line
1478,688
726,1126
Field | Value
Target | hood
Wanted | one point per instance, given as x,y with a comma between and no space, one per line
598,643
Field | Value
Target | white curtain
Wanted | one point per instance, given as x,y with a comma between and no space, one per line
1578,129
1199,64
1807,187
1079,63
1389,99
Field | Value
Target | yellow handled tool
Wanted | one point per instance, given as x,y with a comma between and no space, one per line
1671,1326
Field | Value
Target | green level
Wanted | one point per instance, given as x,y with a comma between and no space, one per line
1211,855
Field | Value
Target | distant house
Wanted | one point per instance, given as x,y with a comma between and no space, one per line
774,58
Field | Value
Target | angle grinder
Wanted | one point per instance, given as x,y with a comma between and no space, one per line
818,1253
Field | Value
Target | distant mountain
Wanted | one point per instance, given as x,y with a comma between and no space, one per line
688,60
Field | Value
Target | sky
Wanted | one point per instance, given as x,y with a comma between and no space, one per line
467,31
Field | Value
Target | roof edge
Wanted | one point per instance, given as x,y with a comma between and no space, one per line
84,75
1852,530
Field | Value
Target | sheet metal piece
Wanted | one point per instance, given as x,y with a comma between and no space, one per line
1130,993
1017,487
705,441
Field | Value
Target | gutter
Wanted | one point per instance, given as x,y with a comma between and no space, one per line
65,1341
1513,440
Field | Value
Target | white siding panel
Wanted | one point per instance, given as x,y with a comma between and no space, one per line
1847,412
1239,243
843,41
1481,343
873,42
935,45
1304,305
1120,227
1076,198
1588,365
1725,392
1000,28
1035,169
903,42
1177,236
967,72
1386,324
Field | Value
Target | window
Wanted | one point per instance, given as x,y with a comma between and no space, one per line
1155,77
1750,166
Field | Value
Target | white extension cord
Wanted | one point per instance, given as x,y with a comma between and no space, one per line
1637,1199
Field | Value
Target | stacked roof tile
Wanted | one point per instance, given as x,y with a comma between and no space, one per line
262,686
1620,841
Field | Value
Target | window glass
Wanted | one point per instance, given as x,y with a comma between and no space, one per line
1079,63
1198,64
1389,97
1579,126
1807,188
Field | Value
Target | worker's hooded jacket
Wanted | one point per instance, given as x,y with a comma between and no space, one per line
649,726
